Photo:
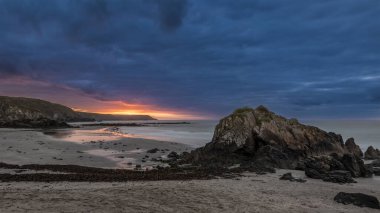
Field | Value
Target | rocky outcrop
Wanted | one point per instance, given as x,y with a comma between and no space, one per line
260,136
353,148
372,153
337,169
357,199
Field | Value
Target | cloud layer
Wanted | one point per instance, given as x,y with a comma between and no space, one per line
301,58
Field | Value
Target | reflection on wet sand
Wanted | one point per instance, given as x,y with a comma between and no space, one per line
94,147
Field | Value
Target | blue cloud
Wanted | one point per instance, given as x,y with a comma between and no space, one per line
299,57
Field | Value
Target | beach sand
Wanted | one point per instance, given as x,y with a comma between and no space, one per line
94,147
250,193
97,147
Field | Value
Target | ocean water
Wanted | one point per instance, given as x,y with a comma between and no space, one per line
195,134
365,132
198,133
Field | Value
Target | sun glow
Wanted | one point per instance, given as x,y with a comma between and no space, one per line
83,102
158,114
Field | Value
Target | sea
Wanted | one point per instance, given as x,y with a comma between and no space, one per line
192,133
198,133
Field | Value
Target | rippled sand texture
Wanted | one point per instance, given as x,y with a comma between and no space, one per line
86,147
251,193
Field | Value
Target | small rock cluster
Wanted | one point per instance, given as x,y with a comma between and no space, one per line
357,199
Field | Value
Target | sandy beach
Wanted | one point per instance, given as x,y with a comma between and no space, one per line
105,148
90,146
249,193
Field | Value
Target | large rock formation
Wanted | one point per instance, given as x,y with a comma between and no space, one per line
35,113
260,137
372,153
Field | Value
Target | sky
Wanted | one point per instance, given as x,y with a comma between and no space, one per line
195,59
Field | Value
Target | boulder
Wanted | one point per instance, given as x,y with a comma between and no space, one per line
173,155
338,176
376,163
372,153
152,151
353,164
289,176
376,171
357,199
337,169
353,148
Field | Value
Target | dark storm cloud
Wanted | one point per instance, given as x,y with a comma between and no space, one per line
298,57
7,68
171,13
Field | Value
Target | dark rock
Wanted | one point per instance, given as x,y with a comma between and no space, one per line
367,171
376,163
336,169
353,148
312,173
338,176
352,164
152,151
258,135
376,171
357,199
323,164
372,153
173,155
289,176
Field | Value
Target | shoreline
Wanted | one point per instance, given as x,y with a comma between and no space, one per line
89,146
247,193
43,172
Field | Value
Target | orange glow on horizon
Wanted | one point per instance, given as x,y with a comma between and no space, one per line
161,115
123,108
83,102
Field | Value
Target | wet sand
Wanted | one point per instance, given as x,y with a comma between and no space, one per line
90,146
250,193
98,147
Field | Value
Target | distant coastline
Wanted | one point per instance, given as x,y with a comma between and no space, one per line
20,112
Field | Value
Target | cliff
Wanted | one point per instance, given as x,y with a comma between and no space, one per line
28,112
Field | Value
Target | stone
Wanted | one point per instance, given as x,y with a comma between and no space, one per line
376,163
338,176
357,199
376,171
173,155
351,163
289,176
353,148
152,151
336,169
372,153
